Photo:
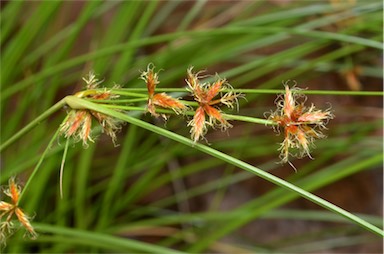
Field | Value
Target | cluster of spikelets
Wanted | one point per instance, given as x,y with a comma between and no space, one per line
208,96
163,100
9,211
78,124
300,124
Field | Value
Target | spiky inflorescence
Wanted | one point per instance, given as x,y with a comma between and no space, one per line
205,94
9,209
301,125
163,100
78,124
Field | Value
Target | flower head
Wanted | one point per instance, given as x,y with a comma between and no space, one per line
163,100
205,94
78,124
9,210
301,124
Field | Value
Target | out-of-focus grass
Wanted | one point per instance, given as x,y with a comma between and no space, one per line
150,193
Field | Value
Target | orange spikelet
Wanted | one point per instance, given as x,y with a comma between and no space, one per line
216,116
151,79
78,125
315,116
214,90
161,99
289,103
10,209
75,120
166,101
14,191
198,124
79,122
204,95
86,129
24,220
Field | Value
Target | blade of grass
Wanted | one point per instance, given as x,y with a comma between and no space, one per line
114,184
192,13
82,218
16,49
102,240
136,34
279,196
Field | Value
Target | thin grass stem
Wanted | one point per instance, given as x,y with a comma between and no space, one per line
33,124
53,139
265,91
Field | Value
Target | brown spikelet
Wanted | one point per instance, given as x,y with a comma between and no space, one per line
7,210
204,95
24,220
165,101
301,124
14,191
214,90
198,124
160,99
215,117
78,125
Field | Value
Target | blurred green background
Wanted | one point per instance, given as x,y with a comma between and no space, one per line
152,194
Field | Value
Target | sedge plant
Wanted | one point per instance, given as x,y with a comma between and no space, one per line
297,121
251,107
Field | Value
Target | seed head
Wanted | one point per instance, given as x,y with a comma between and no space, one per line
205,94
162,100
301,125
198,123
9,209
78,124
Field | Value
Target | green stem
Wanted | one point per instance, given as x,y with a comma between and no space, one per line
82,104
249,119
54,138
116,101
260,91
32,124
191,113
133,93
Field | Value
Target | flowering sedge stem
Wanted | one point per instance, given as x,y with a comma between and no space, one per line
32,124
83,104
